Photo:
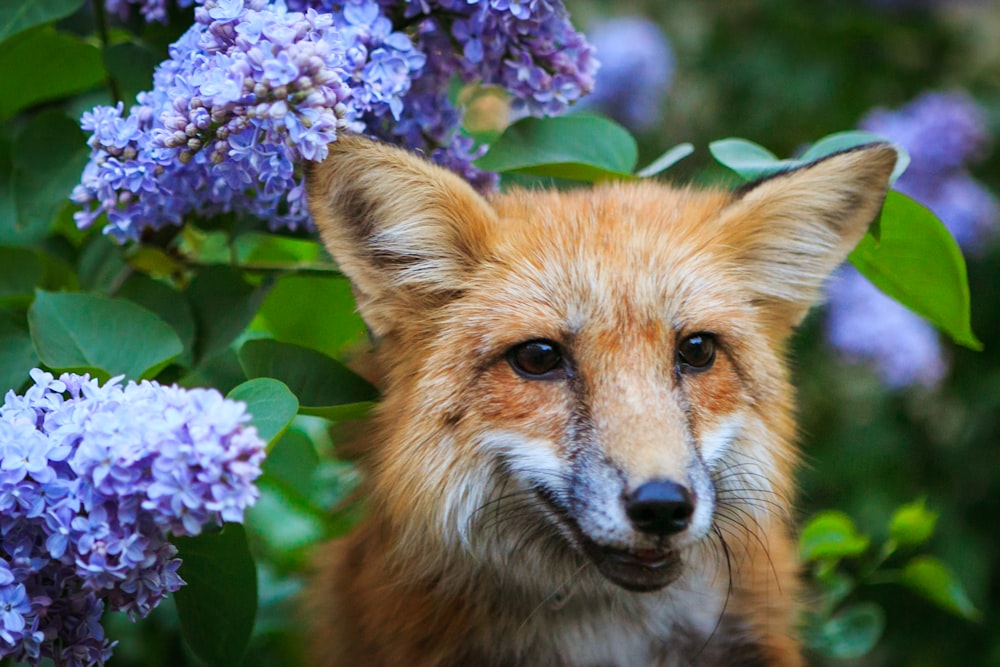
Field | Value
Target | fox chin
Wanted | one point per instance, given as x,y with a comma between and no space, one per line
585,451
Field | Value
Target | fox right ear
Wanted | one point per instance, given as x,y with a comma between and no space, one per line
403,230
788,232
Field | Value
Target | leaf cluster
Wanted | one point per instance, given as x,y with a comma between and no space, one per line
845,562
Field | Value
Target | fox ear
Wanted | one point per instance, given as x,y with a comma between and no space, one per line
403,230
789,231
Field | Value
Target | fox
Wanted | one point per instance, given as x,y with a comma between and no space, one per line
585,447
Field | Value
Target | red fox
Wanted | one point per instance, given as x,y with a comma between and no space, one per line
585,451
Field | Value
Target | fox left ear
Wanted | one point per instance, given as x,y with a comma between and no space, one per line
404,231
786,233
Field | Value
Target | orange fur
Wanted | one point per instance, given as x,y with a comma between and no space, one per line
499,530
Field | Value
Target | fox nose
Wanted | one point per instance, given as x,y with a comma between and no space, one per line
660,507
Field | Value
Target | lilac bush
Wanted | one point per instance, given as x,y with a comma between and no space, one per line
93,479
943,133
256,88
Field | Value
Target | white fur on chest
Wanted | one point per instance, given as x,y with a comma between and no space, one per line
625,629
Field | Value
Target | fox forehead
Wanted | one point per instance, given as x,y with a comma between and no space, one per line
640,259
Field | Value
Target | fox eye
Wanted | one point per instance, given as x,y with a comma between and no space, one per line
537,360
696,352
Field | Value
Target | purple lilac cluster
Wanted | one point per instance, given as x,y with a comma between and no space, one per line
248,91
92,480
527,47
944,133
257,87
637,66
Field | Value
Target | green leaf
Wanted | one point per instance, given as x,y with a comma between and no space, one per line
932,579
836,586
102,267
317,380
218,606
49,154
131,64
291,463
912,524
831,534
224,304
667,160
284,526
41,64
270,403
106,336
851,633
580,147
58,275
313,311
841,141
17,354
8,206
257,248
336,413
21,271
917,262
751,161
166,302
19,15
222,371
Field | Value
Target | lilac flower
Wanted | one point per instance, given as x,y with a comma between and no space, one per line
113,471
637,66
943,132
943,129
866,325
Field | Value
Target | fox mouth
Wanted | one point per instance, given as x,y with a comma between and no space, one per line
637,570
640,571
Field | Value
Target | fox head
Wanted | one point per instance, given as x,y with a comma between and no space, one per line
590,379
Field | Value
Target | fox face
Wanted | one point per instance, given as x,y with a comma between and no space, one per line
585,394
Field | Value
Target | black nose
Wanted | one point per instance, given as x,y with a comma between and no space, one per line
660,507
